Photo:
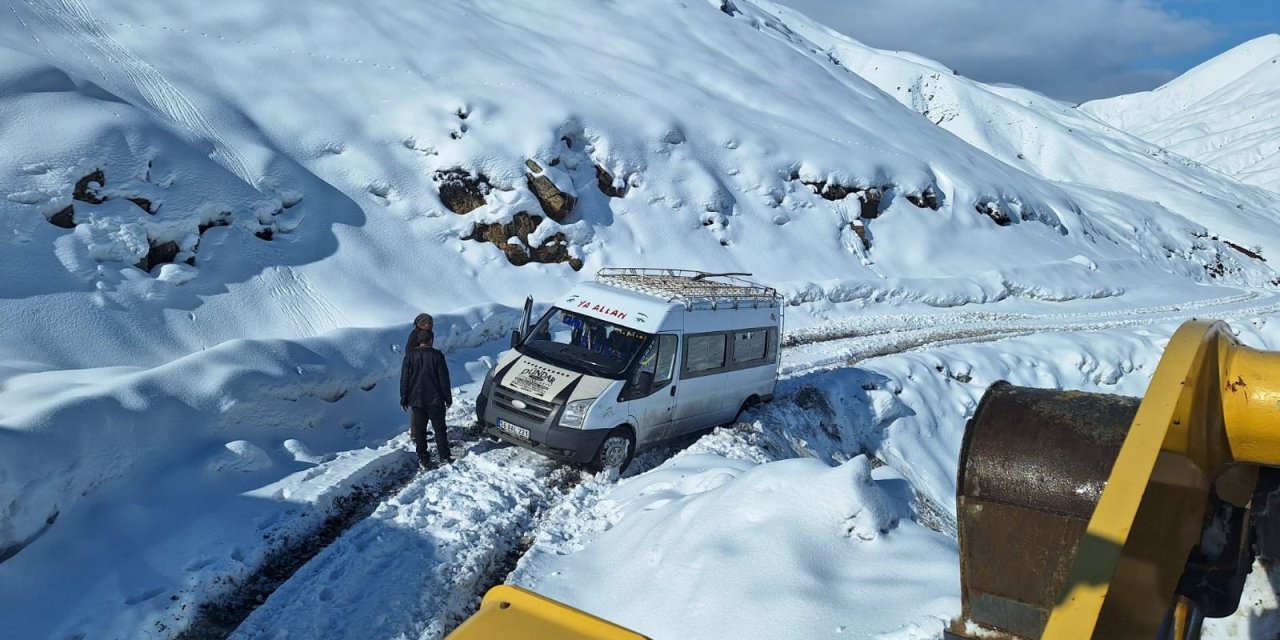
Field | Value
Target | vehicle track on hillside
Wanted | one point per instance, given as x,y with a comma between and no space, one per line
86,34
340,57
844,344
419,563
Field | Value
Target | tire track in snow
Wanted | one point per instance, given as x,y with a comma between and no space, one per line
302,305
220,620
845,345
88,36
785,127
853,327
417,567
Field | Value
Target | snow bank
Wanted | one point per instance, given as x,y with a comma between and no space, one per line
233,407
725,549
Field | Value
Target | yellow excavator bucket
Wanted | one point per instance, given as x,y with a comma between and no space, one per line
511,613
1083,515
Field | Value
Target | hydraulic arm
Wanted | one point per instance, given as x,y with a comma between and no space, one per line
1095,516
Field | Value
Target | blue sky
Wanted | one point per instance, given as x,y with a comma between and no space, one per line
1235,20
1073,50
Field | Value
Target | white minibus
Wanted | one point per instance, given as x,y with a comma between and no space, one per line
631,359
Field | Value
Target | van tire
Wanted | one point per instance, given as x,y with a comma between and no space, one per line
750,402
616,451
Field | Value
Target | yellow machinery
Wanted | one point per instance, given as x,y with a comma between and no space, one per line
511,613
1081,515
1094,516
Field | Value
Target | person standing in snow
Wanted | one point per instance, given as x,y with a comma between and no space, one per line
423,321
425,391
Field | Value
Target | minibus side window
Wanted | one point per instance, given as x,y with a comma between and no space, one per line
704,353
666,360
754,348
749,345
656,365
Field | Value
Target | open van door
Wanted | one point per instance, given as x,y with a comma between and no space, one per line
525,320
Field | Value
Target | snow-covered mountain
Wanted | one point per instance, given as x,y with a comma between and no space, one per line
1055,141
217,219
1221,113
285,164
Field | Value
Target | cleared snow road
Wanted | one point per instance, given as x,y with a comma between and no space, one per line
856,340
414,568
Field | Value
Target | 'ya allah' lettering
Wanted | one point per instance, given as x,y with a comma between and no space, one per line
601,309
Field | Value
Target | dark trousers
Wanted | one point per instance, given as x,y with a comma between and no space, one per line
418,417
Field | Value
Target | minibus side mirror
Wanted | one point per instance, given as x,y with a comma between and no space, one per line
515,338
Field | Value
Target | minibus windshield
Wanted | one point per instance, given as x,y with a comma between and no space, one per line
584,344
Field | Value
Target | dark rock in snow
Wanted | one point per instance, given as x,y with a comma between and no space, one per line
860,230
1243,250
554,249
869,197
222,220
161,253
554,202
870,203
830,191
460,191
142,203
86,192
995,211
65,218
927,199
606,183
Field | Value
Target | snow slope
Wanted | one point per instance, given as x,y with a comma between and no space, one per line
217,219
1056,141
708,136
1221,113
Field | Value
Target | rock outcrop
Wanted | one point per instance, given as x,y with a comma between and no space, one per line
555,203
606,183
555,249
460,191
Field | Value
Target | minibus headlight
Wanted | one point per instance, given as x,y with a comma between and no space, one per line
575,412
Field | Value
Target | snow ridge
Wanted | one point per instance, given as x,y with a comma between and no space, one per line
1220,113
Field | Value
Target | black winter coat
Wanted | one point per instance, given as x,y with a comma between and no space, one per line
424,379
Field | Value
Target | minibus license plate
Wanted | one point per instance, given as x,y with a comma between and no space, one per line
519,432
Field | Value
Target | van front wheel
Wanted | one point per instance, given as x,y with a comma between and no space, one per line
616,451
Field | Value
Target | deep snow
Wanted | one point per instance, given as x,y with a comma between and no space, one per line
164,432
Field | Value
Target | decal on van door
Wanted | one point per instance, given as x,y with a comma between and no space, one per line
538,380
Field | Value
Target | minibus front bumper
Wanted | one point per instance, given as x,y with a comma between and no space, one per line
536,426
558,443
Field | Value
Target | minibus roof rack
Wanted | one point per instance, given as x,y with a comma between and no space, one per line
692,287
